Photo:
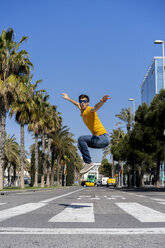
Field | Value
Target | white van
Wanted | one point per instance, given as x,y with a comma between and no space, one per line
104,181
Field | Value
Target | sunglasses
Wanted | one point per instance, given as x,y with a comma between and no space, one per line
84,101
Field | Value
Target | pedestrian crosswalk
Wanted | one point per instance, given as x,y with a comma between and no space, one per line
84,209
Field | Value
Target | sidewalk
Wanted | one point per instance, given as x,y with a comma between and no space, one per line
142,189
10,191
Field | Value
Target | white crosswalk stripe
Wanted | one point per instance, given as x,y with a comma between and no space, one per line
95,198
76,212
142,213
157,199
163,203
22,209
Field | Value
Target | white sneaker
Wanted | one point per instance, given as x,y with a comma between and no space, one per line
86,168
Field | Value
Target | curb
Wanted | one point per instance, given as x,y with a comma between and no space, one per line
7,192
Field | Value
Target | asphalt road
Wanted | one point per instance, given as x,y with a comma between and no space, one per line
83,217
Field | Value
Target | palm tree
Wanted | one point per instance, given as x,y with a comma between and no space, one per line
12,153
44,122
127,117
22,109
63,148
78,164
52,125
13,64
35,125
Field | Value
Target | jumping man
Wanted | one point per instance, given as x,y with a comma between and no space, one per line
100,137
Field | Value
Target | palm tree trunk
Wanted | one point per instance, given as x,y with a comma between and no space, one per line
15,180
52,170
58,172
75,174
36,161
48,164
9,178
43,162
2,141
22,157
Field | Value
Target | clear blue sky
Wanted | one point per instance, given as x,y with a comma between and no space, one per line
95,47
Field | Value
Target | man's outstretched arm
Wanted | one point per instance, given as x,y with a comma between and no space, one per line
100,104
66,97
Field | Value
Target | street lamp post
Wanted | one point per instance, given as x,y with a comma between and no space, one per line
162,42
134,165
133,100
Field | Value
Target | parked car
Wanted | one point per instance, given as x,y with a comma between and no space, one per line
98,183
104,181
27,181
111,182
5,184
82,183
88,184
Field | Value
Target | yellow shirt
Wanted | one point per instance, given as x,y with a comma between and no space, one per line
93,122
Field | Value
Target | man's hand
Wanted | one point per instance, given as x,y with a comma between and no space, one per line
65,96
100,104
105,98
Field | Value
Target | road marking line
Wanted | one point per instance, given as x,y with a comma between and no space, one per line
162,203
22,209
96,198
2,203
142,213
144,196
82,231
157,199
84,196
60,196
117,196
76,212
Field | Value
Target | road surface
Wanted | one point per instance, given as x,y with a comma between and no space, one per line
82,217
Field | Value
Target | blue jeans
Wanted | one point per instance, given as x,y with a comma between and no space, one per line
92,141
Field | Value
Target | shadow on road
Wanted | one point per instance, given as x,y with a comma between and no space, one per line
75,206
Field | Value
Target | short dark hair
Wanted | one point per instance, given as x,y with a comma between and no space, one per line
84,96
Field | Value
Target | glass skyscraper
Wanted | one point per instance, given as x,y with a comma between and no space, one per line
151,85
153,80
